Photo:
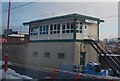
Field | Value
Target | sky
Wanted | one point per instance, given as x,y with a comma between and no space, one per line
107,11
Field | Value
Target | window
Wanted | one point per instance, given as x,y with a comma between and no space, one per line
44,29
34,30
35,54
79,27
69,28
61,55
47,54
54,28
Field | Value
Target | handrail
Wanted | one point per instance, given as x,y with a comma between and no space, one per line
113,56
105,51
110,56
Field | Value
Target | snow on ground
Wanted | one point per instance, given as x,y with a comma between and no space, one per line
11,74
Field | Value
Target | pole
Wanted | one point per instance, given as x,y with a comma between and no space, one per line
8,23
8,26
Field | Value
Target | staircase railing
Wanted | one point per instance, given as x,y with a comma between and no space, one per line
112,53
104,51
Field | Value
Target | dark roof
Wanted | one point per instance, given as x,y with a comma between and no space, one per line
66,16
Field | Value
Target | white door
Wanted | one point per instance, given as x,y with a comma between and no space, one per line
85,32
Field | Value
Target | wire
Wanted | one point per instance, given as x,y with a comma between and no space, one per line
111,16
63,10
84,5
19,6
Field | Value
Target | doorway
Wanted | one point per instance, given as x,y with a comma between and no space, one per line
82,58
85,31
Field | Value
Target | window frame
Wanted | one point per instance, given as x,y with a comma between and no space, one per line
79,27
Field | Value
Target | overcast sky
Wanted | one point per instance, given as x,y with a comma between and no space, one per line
107,11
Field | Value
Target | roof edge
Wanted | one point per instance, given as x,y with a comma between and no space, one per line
74,15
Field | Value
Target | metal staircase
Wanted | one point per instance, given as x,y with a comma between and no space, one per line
112,61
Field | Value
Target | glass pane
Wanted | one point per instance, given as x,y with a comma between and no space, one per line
80,31
71,31
40,28
77,31
63,26
51,32
31,29
54,32
43,28
46,27
51,27
61,55
63,31
68,26
55,28
72,25
58,31
58,26
67,31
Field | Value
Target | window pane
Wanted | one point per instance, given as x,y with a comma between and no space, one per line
63,26
58,31
47,54
58,26
43,28
36,33
80,26
54,32
40,28
51,27
68,27
46,27
67,31
35,54
51,32
71,31
80,31
61,55
33,33
55,27
77,31
40,32
63,31
31,29
72,25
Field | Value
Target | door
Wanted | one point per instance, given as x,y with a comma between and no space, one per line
85,32
82,58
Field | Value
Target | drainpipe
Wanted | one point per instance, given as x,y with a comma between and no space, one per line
98,31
